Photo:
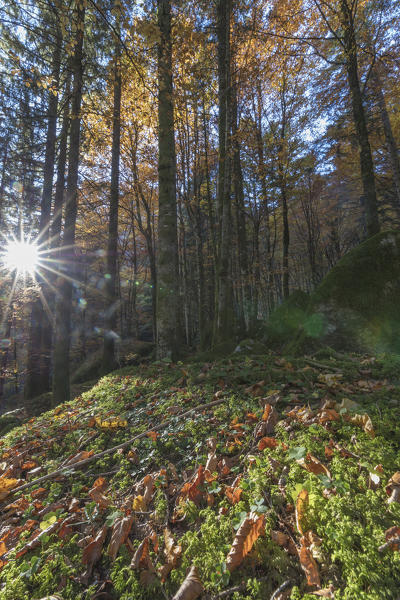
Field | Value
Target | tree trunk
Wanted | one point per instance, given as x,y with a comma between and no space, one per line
38,363
224,318
168,336
360,121
61,385
109,359
389,137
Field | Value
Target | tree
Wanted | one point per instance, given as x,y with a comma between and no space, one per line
167,259
61,368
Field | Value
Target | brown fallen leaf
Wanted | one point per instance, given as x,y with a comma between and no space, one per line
92,552
120,532
141,559
172,552
393,533
301,508
191,587
245,538
309,565
96,493
313,465
271,417
284,541
191,490
267,442
393,488
80,456
363,421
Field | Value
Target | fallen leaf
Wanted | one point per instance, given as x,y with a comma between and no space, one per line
247,534
393,488
141,559
284,541
267,442
393,533
120,532
172,552
139,504
191,587
191,489
313,465
309,565
6,485
112,423
80,456
96,493
363,421
301,508
92,552
270,416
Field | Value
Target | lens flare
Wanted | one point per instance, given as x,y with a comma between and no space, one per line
21,256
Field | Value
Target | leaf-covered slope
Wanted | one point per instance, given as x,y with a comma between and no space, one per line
280,475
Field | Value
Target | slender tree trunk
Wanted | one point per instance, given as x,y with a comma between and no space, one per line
109,360
389,137
360,121
237,175
61,385
224,318
168,336
38,364
55,240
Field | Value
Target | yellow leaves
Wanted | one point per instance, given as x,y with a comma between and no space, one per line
246,536
139,504
302,503
6,485
191,587
332,380
111,423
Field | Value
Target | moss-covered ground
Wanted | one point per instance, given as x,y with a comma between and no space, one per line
318,495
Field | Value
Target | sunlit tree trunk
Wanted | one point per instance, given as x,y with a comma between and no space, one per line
167,257
109,359
61,371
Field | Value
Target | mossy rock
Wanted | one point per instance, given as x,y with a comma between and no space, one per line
129,352
287,319
357,306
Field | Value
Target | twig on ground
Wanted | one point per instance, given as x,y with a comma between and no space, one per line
280,589
126,444
314,363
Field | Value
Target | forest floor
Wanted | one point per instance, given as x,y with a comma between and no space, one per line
251,477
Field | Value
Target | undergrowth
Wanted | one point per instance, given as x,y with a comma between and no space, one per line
347,513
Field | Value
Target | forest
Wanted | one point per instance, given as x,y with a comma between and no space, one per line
199,299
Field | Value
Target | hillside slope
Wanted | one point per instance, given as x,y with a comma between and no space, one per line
283,476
